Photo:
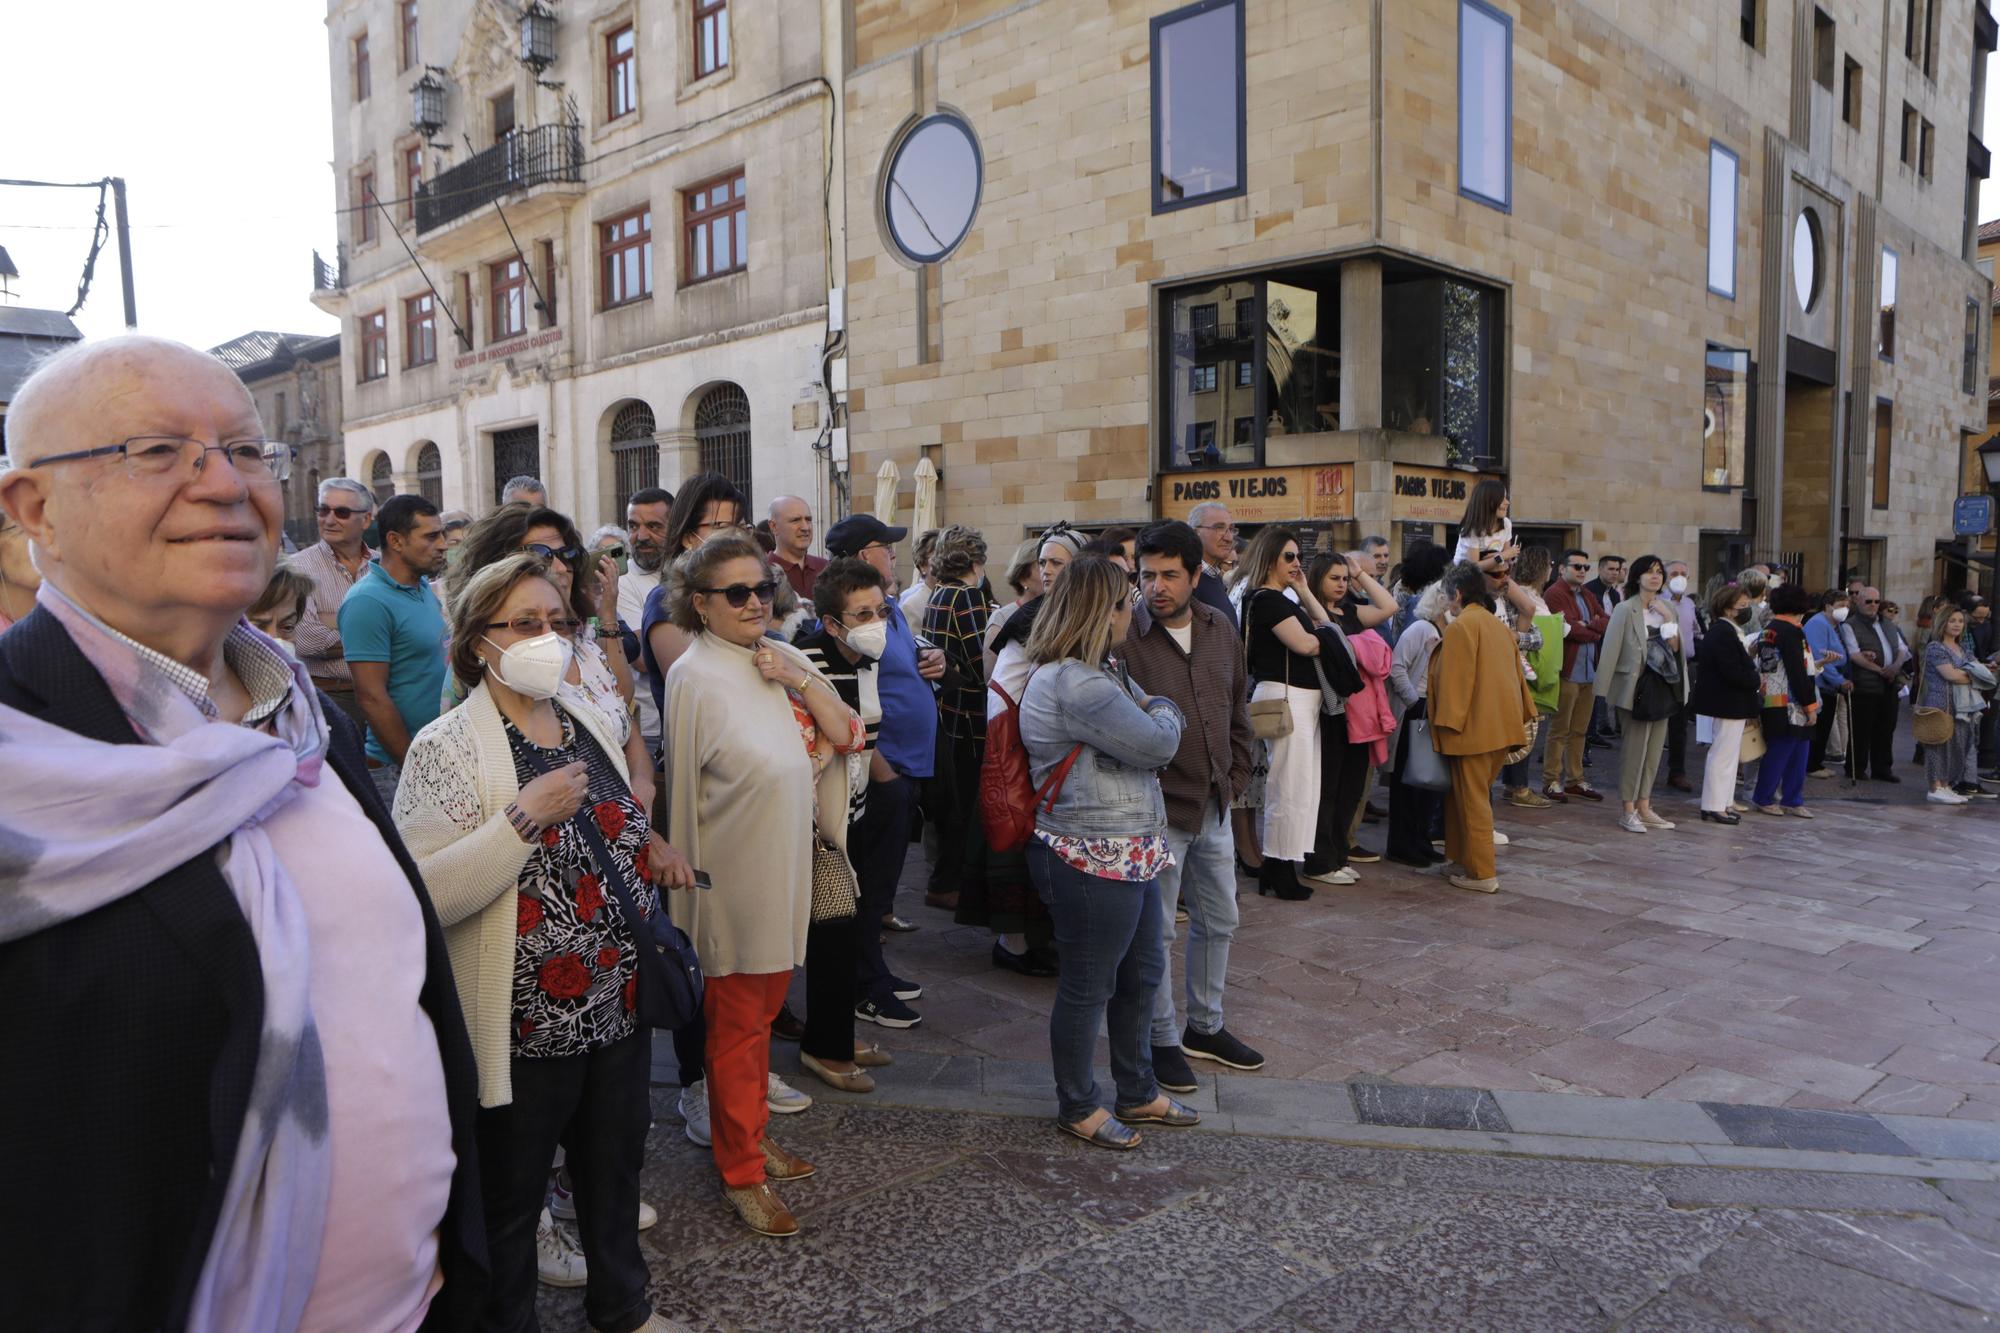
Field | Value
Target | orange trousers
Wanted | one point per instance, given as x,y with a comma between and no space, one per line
740,1009
1468,811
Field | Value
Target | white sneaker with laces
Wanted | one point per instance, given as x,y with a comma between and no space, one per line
1344,875
1942,796
1631,823
694,1110
558,1262
784,1099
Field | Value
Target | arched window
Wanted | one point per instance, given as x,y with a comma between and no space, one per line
381,479
722,434
635,455
430,474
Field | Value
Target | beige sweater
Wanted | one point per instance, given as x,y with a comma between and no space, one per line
458,779
741,803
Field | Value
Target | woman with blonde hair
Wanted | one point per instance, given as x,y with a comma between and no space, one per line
1097,742
1285,628
750,732
542,949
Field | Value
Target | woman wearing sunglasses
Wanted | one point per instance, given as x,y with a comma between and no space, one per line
491,805
750,732
1281,622
588,585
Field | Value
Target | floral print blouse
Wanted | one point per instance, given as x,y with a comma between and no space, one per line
1133,859
574,965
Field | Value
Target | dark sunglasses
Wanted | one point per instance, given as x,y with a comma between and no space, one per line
738,594
1581,569
1289,557
341,512
569,555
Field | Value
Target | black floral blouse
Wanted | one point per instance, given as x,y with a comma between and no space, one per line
574,966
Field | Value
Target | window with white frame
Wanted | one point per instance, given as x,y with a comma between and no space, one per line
1721,220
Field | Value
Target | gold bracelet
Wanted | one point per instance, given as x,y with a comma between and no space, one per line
804,681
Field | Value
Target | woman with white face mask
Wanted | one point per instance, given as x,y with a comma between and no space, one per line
519,811
1828,658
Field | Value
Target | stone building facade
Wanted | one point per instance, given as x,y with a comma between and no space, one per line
1332,260
295,378
605,265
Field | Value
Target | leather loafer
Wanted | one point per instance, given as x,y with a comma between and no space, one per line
1726,817
1025,963
1583,792
855,1080
762,1210
871,1056
781,1165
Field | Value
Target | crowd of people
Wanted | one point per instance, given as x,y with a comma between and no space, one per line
386,948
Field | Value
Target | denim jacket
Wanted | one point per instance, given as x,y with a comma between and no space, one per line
1112,789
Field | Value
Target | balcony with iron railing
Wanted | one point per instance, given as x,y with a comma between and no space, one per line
330,277
543,155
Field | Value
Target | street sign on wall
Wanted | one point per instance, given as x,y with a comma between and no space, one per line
1972,516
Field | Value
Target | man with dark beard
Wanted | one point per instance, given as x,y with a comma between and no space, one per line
646,522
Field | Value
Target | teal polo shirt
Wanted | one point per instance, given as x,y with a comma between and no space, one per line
381,620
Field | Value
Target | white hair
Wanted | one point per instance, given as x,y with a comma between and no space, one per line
608,530
516,485
347,484
1433,602
1202,511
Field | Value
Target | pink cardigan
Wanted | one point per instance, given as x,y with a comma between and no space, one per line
1368,715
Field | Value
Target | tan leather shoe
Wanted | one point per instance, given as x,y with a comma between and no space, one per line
762,1210
781,1165
871,1056
854,1080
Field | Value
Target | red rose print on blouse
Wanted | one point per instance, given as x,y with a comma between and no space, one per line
525,1028
607,958
589,897
527,914
552,836
610,818
564,976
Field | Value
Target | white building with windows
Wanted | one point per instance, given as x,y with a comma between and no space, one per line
588,242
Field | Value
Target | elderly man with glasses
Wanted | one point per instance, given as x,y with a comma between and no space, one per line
1211,523
252,1094
334,563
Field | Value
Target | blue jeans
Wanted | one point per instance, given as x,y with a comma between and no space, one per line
1108,936
1204,870
1784,767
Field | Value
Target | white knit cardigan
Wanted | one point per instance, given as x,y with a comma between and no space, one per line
451,808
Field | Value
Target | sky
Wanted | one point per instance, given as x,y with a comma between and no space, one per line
216,113
226,151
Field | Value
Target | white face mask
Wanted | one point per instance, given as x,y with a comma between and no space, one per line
286,647
1839,614
870,640
534,668
1677,585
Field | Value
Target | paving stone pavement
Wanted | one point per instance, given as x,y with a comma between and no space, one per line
934,1220
1850,962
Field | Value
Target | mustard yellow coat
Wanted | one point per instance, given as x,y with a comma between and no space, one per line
1479,700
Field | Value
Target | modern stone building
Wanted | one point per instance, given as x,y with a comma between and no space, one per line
1696,278
294,379
587,241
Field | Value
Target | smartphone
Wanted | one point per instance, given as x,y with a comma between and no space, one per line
702,881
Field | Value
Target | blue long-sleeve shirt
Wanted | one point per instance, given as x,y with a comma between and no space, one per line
1823,636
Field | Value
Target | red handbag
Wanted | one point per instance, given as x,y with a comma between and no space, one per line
1008,799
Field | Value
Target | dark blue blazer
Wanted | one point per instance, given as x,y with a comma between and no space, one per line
128,1039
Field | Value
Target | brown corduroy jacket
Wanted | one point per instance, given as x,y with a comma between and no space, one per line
1211,688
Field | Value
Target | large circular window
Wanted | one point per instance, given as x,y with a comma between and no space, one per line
1805,258
931,189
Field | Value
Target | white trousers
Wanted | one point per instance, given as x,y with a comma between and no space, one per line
1718,777
1291,791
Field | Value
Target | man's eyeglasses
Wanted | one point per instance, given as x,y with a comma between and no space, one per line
1871,601
529,627
343,513
149,457
718,525
456,525
1216,527
867,615
1581,569
569,555
738,594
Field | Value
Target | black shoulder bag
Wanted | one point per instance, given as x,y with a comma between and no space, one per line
670,984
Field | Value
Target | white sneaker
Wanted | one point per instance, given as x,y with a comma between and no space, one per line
1631,823
1344,875
1651,820
1943,796
558,1262
562,1207
784,1099
694,1110
1499,838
